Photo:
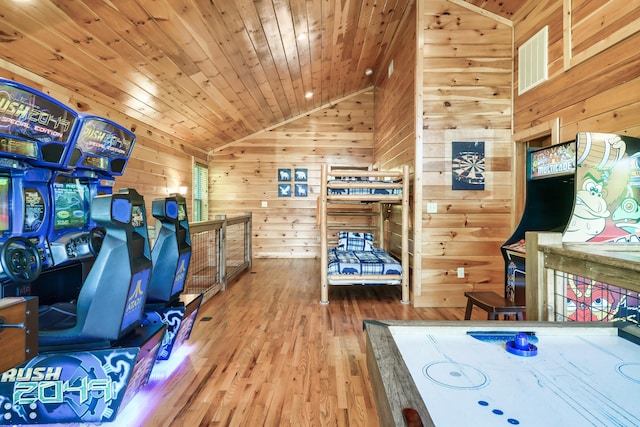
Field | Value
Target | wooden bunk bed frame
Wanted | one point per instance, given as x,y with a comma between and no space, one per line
329,205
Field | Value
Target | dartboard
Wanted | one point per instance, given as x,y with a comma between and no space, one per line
468,166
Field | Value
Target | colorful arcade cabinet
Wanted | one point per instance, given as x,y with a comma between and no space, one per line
35,137
100,150
550,196
589,190
93,356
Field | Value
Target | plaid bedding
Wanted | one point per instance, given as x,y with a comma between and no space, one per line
364,191
376,261
354,241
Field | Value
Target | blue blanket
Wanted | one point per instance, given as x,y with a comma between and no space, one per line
376,261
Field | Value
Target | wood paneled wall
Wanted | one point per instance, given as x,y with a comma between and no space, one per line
466,92
395,108
243,175
594,66
159,162
395,122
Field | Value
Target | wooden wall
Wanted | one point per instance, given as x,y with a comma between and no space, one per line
466,96
594,66
158,162
395,131
395,120
243,175
593,85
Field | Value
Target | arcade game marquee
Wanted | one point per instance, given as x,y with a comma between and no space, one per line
92,353
589,190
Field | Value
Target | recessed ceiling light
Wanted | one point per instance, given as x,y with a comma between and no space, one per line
308,95
301,36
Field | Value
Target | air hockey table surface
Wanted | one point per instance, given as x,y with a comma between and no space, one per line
461,373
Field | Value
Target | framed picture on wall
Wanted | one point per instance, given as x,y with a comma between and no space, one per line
284,190
300,175
284,175
467,165
301,190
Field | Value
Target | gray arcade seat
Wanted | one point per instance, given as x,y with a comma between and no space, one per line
111,301
171,252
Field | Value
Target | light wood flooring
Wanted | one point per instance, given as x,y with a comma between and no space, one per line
266,353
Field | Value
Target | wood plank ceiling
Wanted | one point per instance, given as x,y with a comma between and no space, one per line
208,72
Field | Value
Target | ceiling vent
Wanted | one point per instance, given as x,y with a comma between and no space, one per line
532,61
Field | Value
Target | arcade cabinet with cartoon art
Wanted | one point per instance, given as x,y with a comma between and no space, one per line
588,189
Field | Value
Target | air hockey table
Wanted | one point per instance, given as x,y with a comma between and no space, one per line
504,373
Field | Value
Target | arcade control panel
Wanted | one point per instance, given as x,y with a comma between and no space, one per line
519,247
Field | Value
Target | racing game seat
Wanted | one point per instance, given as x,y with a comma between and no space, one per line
111,300
171,252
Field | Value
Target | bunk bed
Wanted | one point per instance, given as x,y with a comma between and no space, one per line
357,252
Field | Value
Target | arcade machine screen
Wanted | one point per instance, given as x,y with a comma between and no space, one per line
185,251
182,216
182,212
71,203
138,241
4,204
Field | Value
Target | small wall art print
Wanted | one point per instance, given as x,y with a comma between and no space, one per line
467,165
284,190
300,175
301,190
284,175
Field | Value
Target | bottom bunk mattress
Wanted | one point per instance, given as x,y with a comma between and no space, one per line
376,262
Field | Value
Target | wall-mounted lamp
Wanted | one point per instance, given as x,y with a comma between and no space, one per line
182,190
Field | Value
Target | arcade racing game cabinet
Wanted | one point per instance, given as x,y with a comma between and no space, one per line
94,356
35,136
100,150
85,372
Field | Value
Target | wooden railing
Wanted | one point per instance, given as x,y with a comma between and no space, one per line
551,264
220,251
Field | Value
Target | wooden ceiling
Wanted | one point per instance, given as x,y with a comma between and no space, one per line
208,72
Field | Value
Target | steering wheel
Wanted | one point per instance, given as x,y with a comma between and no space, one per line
20,260
96,236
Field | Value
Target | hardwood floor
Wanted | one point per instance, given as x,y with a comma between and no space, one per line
265,352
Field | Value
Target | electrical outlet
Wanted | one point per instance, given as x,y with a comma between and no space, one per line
432,208
264,204
460,272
